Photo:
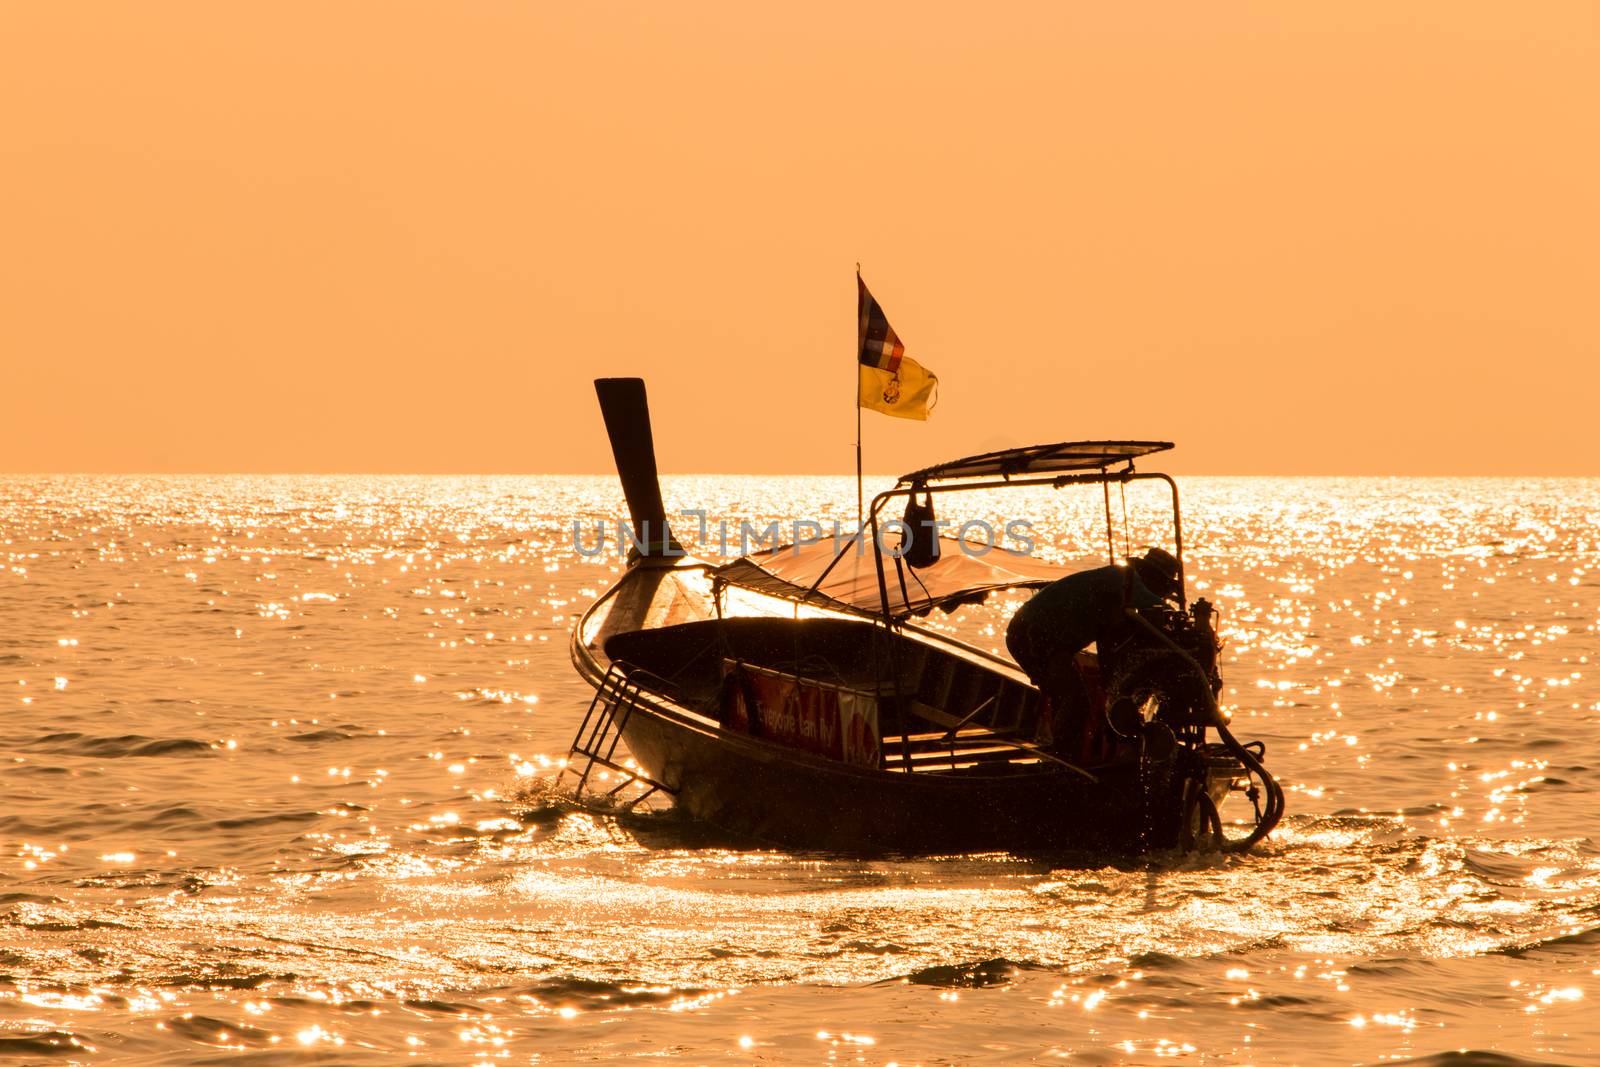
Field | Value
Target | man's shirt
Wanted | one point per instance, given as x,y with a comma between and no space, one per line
1069,613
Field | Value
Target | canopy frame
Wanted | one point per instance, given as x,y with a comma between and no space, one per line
905,488
1054,466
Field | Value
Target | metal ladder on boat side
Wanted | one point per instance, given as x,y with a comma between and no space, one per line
601,731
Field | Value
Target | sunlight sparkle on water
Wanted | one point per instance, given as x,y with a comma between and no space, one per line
217,669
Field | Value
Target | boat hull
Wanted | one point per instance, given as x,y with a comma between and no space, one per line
773,795
765,792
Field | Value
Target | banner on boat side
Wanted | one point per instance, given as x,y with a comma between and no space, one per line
796,712
890,381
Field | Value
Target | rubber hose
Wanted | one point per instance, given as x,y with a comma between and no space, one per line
1275,801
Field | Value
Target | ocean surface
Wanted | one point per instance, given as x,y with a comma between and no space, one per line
276,759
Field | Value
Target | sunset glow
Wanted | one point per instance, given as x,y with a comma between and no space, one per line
403,237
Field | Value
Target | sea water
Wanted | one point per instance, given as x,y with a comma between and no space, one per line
277,760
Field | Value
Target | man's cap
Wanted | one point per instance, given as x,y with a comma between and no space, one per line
1160,570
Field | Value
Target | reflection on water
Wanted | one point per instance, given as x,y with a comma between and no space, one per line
277,762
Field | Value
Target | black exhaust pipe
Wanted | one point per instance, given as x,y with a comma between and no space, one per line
627,415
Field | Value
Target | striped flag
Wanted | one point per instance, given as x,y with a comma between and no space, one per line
891,382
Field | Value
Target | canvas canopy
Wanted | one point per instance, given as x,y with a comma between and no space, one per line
1059,458
963,574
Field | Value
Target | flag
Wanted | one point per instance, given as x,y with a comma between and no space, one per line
891,382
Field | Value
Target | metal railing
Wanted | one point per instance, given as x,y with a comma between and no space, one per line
601,730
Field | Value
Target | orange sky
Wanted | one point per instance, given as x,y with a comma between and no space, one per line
1332,237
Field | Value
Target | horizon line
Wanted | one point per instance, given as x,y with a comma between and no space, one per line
723,474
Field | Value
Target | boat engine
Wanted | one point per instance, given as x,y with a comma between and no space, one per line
1162,683
1150,669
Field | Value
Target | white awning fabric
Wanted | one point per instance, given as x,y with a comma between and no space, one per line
965,573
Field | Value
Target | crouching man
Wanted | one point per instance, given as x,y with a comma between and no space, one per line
1066,616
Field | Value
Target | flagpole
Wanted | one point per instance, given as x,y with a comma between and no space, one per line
857,401
874,335
858,453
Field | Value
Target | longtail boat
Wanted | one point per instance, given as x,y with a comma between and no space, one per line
796,698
